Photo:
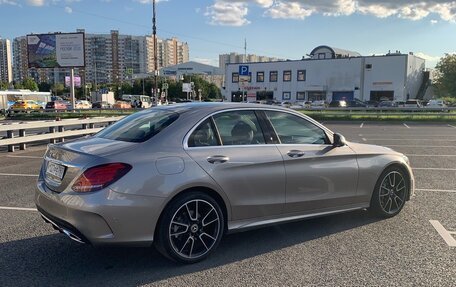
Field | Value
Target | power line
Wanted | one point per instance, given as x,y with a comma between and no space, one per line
171,33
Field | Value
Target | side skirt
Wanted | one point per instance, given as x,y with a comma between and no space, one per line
239,225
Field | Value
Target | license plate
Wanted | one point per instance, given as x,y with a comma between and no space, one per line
55,170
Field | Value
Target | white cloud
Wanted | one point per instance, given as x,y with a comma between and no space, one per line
428,57
35,2
227,13
300,9
288,10
433,22
68,10
9,2
431,61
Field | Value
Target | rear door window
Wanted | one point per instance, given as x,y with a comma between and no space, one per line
239,128
203,135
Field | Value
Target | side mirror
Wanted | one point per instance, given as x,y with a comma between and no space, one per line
339,140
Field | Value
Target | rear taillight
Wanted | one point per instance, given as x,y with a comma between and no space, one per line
99,177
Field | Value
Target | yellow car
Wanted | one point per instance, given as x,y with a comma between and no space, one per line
26,105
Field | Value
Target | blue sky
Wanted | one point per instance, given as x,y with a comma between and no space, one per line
279,28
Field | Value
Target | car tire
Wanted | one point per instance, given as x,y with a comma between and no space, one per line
190,228
390,193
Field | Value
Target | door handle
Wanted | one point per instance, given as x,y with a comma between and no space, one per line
295,153
218,159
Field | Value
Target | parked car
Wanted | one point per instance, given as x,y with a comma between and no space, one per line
181,176
387,104
413,103
285,104
372,103
318,104
356,104
338,104
56,105
296,106
101,105
82,104
26,105
121,105
436,104
400,104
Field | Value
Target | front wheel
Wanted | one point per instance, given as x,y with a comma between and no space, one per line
390,193
191,228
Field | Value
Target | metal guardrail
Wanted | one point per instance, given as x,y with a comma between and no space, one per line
56,130
391,110
12,112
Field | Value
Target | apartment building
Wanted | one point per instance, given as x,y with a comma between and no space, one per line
109,58
6,70
235,58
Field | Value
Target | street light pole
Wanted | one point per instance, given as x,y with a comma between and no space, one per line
154,32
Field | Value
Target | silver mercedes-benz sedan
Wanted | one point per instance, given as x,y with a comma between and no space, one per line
182,176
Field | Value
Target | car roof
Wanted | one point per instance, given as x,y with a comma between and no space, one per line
209,107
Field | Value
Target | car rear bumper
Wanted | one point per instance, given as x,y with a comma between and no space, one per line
103,217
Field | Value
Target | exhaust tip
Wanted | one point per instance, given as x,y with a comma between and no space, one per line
72,236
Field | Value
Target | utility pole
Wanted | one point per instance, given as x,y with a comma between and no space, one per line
154,32
245,50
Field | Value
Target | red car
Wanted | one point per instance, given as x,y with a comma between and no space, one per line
56,105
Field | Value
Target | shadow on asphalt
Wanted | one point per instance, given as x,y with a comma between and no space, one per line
54,260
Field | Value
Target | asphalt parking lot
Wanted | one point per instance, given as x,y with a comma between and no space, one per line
352,249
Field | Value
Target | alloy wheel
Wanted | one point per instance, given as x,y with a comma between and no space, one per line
392,193
194,229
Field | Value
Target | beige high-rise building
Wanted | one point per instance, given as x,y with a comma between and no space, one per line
172,52
114,57
6,69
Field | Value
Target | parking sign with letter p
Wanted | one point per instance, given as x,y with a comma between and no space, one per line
243,70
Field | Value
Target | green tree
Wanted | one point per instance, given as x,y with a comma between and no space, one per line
4,86
58,88
44,87
445,82
29,84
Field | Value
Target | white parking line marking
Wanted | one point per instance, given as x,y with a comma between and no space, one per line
452,126
364,139
446,235
361,126
434,168
435,190
25,156
17,208
17,174
405,125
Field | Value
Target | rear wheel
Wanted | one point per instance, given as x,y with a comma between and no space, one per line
390,192
190,228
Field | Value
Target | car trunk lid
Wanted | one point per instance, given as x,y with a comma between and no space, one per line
63,163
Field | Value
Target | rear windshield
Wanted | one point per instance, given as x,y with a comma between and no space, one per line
139,127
